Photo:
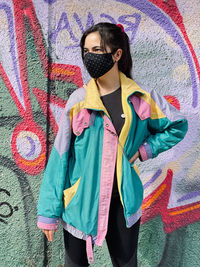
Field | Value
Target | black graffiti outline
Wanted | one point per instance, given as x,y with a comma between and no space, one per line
11,209
27,201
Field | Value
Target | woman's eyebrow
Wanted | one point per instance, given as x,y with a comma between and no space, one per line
94,47
97,46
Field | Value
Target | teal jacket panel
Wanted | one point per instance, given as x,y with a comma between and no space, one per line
72,184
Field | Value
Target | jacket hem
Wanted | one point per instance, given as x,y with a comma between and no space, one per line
131,220
76,232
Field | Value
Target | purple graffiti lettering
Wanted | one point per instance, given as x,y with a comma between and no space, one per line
155,176
111,19
64,18
131,26
155,14
50,2
189,196
90,22
32,151
8,12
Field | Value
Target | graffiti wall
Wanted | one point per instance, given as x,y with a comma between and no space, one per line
40,66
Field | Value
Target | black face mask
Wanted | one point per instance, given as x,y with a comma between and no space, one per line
98,64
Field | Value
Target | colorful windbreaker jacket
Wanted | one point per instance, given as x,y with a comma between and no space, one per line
78,180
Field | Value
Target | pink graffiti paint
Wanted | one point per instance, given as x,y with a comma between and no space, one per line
156,204
170,7
42,98
173,101
28,141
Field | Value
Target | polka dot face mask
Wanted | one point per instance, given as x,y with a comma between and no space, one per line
98,64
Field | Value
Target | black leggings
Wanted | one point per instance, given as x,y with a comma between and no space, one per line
121,241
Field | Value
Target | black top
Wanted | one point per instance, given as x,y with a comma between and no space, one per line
113,104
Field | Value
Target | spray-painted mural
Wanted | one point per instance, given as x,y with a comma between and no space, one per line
40,66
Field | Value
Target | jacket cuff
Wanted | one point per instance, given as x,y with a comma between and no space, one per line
47,223
145,152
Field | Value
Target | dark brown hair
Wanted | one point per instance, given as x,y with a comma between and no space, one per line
114,37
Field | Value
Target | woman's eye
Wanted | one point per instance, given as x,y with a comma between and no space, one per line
94,50
98,50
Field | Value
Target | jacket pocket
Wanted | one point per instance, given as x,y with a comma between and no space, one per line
69,193
131,187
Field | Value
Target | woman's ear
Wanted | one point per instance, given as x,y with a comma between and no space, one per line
117,55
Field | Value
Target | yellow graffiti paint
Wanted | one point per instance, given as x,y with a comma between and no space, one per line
157,194
33,163
185,210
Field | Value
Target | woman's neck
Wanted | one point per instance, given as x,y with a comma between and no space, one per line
109,82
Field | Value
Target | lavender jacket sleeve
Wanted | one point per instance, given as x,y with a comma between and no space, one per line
167,127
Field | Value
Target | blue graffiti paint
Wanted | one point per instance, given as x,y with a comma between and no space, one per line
90,21
111,19
189,196
64,24
132,27
156,15
50,2
9,15
63,20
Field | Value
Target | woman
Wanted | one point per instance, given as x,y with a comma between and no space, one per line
91,182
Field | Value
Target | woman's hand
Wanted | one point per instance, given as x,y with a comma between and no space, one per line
49,234
137,154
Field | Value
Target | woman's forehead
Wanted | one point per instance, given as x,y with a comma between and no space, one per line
92,39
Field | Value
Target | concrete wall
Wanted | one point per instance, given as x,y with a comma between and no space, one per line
40,65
